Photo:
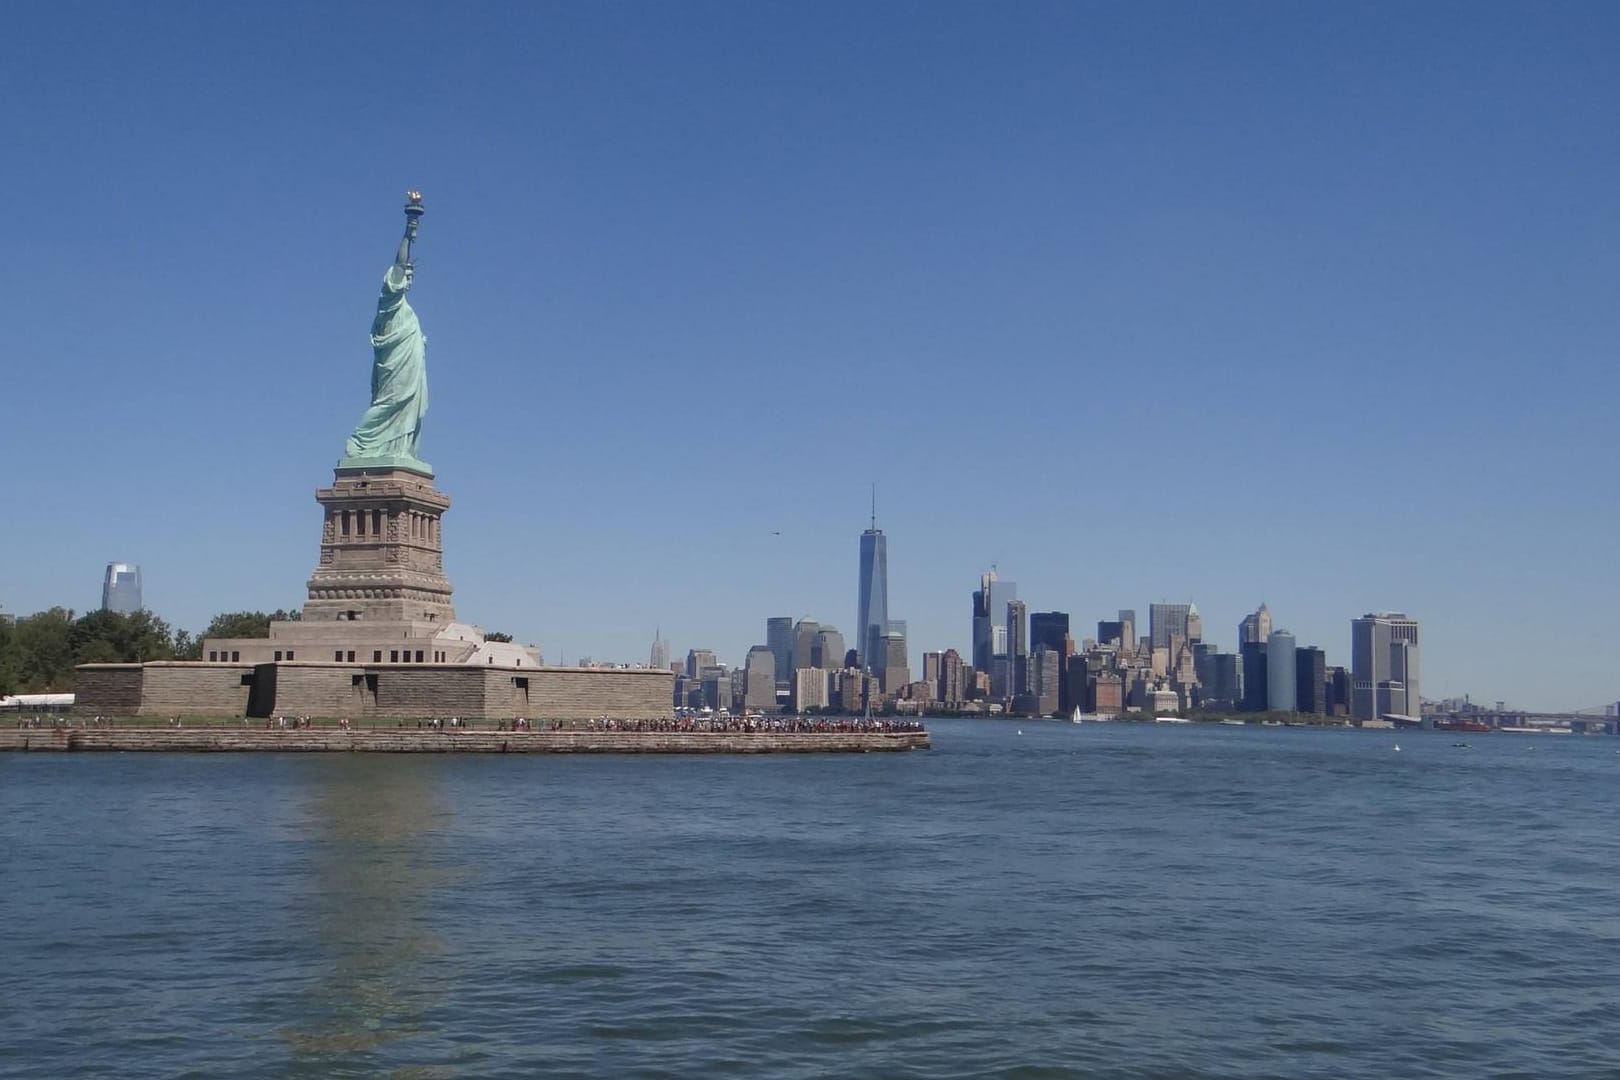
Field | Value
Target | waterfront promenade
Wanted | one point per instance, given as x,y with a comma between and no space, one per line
808,738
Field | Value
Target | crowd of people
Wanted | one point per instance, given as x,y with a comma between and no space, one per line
679,725
35,722
84,722
285,723
767,725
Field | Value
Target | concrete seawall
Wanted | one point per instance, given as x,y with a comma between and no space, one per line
405,741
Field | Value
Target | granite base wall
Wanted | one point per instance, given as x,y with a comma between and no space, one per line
164,687
318,690
583,693
195,689
369,690
434,691
108,689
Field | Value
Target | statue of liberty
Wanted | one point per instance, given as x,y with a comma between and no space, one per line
388,433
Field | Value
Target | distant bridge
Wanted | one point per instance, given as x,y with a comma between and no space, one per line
1597,717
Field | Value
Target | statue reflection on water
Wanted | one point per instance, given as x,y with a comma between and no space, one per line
375,878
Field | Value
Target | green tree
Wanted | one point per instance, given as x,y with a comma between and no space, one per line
39,652
44,650
247,624
496,635
109,636
238,624
187,647
147,637
10,668
98,651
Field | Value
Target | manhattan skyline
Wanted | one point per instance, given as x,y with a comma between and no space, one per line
1303,306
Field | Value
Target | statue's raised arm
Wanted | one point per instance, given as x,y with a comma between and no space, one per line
389,432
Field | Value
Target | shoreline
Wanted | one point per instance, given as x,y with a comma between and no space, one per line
415,741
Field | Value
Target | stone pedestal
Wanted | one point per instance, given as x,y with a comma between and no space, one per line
382,553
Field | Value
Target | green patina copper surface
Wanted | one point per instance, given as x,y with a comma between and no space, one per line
391,429
387,461
392,426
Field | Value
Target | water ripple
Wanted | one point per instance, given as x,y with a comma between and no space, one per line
1124,902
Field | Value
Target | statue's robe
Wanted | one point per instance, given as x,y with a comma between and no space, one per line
399,395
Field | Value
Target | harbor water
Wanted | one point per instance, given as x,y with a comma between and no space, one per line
1028,899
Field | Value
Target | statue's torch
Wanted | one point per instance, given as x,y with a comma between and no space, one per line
413,216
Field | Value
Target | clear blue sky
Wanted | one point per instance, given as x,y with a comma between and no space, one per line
1306,303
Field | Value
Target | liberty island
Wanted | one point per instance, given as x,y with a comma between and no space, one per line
378,640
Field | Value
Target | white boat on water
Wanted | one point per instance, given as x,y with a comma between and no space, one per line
1091,718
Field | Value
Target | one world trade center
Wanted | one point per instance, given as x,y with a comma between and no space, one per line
874,597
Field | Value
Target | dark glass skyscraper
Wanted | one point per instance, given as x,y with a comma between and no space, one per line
1310,676
1017,647
873,620
981,621
1254,675
1049,628
779,639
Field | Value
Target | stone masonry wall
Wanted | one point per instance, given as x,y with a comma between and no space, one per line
583,693
329,690
194,689
494,693
108,689
430,690
321,690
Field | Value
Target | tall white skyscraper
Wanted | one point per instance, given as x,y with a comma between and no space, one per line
659,660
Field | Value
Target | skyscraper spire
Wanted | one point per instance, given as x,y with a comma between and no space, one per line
872,618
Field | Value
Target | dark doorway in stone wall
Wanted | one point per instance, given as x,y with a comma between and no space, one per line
261,695
364,692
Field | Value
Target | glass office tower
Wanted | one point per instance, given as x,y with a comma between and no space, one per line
873,617
121,588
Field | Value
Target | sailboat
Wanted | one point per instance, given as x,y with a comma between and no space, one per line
1075,719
